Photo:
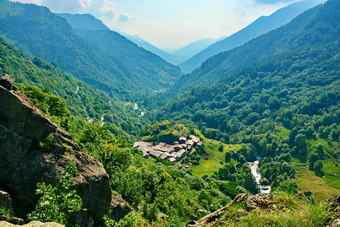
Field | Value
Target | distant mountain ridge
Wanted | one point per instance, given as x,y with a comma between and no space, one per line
89,22
171,58
226,63
133,59
83,21
41,33
261,26
194,48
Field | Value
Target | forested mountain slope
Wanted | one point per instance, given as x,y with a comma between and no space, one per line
305,68
43,34
239,57
261,26
83,21
137,63
84,101
286,103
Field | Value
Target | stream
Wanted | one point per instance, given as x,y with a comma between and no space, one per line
254,167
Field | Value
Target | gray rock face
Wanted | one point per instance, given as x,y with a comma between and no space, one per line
6,81
6,205
119,208
5,201
24,161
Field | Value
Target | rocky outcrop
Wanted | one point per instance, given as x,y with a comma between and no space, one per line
34,149
119,208
6,81
334,207
7,213
31,224
250,202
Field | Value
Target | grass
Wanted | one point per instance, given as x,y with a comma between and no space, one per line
289,211
308,181
329,183
216,158
331,168
282,133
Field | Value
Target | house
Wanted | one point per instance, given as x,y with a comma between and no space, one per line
172,152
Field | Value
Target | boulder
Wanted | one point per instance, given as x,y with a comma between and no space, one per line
6,81
264,181
6,205
5,202
262,200
119,208
34,149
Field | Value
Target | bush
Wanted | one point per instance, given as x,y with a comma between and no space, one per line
57,203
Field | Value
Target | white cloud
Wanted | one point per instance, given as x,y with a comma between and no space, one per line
85,3
114,18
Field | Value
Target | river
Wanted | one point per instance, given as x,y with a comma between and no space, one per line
254,167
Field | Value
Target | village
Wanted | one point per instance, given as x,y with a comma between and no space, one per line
171,152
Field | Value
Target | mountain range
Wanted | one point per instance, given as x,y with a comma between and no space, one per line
226,63
260,26
43,34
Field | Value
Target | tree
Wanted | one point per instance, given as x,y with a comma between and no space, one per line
249,183
318,166
227,157
58,202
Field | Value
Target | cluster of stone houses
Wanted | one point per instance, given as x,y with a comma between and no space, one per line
171,152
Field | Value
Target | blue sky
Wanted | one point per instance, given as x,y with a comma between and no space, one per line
170,23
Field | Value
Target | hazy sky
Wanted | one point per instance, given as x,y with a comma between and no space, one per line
170,23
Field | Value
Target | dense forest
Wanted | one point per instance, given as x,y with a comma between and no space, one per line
274,100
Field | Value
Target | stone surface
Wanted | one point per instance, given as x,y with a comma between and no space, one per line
250,202
262,200
335,223
118,209
5,201
31,224
6,81
23,162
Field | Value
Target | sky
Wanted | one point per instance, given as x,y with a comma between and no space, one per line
170,24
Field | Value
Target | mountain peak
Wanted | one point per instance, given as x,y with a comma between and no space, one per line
83,21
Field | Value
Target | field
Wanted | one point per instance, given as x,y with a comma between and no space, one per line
215,158
308,181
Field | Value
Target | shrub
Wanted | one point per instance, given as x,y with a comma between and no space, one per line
58,202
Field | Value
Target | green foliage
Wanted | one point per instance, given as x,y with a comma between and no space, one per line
290,211
6,212
57,203
51,105
165,131
130,220
81,100
152,187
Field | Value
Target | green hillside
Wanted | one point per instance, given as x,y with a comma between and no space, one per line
82,100
225,64
41,33
295,91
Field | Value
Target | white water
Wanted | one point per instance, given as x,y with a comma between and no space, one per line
102,120
254,167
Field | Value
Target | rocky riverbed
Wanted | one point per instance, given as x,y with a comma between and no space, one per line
254,166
